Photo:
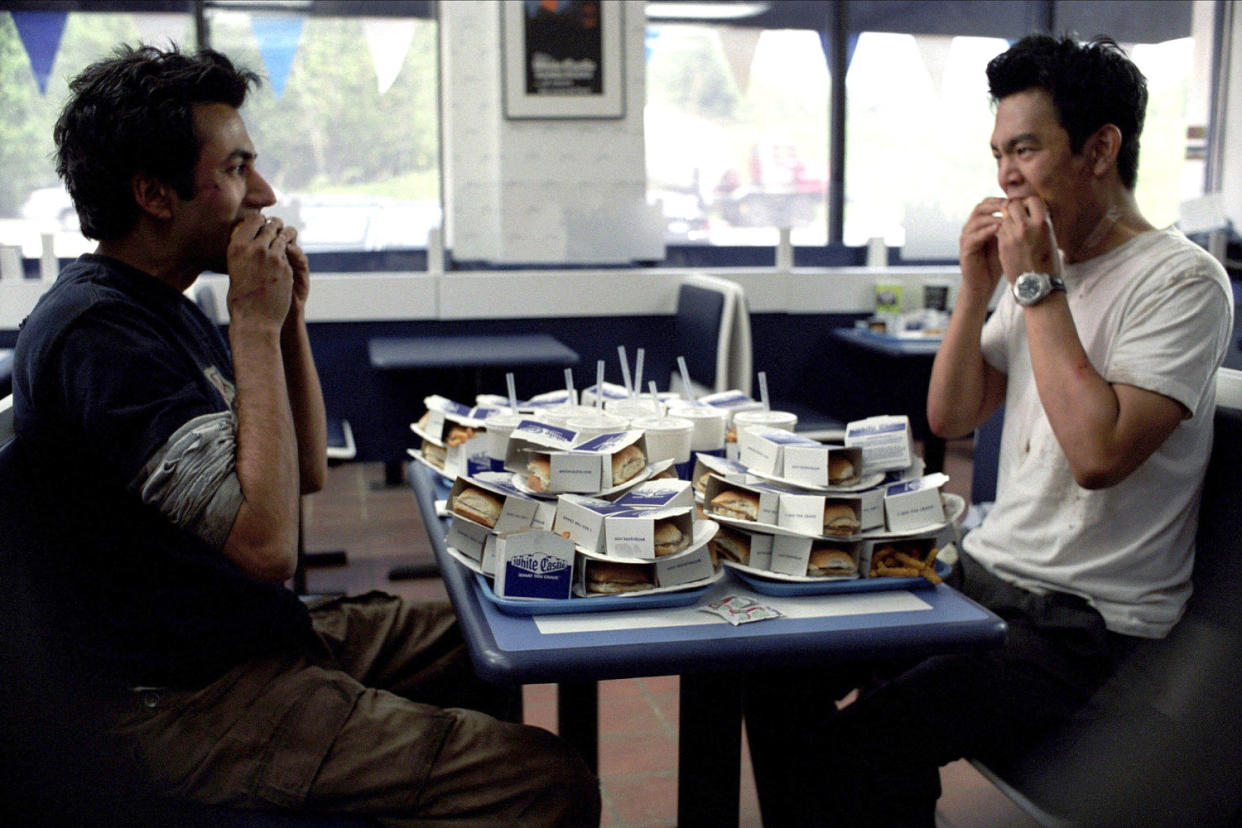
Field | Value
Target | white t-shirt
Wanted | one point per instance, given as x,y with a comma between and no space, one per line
1155,313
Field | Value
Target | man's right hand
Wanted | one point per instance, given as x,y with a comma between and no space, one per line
260,276
980,256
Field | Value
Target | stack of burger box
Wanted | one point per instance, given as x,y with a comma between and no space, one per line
791,509
453,436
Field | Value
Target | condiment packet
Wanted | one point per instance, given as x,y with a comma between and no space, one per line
738,609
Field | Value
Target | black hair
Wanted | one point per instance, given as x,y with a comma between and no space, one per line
130,114
1091,84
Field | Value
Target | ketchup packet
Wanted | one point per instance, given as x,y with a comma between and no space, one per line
738,609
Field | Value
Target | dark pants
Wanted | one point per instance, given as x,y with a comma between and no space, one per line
877,760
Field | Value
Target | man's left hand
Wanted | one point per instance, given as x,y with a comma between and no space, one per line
1026,240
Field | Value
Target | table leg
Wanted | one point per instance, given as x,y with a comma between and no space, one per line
709,750
577,718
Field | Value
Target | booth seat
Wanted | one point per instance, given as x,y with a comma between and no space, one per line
1161,742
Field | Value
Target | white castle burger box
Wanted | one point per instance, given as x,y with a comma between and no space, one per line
914,504
816,464
648,533
533,563
581,519
812,514
762,449
491,500
573,467
793,555
710,464
886,442
664,493
758,502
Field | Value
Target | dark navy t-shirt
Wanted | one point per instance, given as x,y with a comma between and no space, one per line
109,364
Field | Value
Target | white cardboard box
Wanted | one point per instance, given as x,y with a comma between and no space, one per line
808,465
583,519
684,567
631,533
518,511
534,564
914,504
886,442
769,497
804,513
664,493
761,449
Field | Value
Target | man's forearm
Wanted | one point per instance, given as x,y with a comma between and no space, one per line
958,395
305,404
263,540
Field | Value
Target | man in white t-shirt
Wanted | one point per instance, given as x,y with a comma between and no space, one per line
1103,347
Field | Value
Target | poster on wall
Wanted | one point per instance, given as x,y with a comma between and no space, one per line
562,58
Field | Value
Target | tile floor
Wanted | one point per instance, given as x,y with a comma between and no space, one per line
379,528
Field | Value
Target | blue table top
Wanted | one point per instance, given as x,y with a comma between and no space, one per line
516,649
887,343
469,351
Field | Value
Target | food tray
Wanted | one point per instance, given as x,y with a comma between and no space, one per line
677,596
778,584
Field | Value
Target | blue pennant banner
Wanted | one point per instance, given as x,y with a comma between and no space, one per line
40,33
278,42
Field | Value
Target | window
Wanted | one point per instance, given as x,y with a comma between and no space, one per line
345,123
737,133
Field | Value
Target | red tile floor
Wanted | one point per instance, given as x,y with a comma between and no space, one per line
379,528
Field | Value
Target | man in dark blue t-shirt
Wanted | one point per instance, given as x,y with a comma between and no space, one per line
172,464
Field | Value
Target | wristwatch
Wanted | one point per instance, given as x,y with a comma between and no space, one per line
1032,287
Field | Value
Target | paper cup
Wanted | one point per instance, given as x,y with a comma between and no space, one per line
770,419
498,427
710,425
634,407
593,422
560,415
668,438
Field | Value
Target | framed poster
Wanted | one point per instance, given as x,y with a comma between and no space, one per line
562,58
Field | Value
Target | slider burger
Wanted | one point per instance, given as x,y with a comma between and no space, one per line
840,519
840,469
736,504
478,505
830,561
626,463
434,454
538,472
669,539
731,545
604,578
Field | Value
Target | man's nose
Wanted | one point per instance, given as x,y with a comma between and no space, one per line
259,192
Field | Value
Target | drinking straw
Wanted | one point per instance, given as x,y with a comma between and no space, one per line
685,378
625,371
599,384
763,389
638,372
569,385
655,398
512,393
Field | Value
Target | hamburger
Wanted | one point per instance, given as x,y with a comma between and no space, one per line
626,463
538,472
477,505
736,504
434,454
830,561
731,546
604,578
840,469
459,434
840,519
669,539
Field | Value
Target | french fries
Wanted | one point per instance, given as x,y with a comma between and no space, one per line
896,560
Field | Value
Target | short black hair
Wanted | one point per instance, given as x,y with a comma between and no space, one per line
1091,84
133,113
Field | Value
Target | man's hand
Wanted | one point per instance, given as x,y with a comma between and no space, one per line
1026,240
981,264
260,274
301,271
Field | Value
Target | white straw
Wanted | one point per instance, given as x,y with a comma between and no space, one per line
655,397
569,385
512,392
685,378
638,372
763,389
625,371
599,384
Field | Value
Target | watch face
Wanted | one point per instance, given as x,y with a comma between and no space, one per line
1028,288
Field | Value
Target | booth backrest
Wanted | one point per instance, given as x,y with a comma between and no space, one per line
1161,742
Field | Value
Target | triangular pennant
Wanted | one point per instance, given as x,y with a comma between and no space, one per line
739,47
40,33
389,40
278,37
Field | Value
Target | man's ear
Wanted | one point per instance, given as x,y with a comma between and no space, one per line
1103,148
153,197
